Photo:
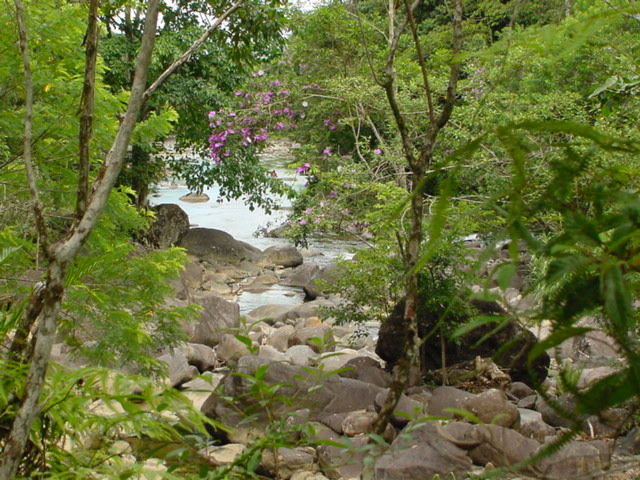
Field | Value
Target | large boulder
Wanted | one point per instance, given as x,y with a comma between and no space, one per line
423,454
282,255
508,347
168,228
217,246
217,318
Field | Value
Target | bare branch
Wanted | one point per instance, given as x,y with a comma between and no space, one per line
28,160
87,101
187,55
421,62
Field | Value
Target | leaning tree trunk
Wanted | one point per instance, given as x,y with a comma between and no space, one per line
61,255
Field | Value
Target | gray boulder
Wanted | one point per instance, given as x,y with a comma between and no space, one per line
217,246
170,225
501,446
301,275
492,406
178,368
217,317
422,454
446,397
281,255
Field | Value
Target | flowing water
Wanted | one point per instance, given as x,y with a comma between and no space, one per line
235,218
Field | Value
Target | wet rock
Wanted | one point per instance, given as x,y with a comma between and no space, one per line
301,275
195,198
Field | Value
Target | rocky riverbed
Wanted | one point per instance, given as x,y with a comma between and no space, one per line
323,383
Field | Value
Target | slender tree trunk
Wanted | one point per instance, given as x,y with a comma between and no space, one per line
62,254
418,165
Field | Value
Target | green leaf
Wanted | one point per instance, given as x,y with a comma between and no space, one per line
474,323
617,298
556,338
506,271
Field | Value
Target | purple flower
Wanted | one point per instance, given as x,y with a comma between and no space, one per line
308,211
333,194
333,127
212,113
327,122
302,222
327,151
377,151
238,93
232,114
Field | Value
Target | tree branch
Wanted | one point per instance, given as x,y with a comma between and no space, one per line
423,66
187,55
63,254
87,102
28,135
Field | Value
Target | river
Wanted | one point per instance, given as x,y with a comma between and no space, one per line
235,218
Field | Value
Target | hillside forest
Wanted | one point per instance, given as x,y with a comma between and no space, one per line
421,127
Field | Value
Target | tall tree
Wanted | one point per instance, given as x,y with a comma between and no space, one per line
32,341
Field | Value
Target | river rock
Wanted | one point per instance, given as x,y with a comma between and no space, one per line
280,338
575,460
281,255
284,462
218,247
314,287
267,313
423,454
406,410
366,369
301,354
446,397
195,198
492,406
501,446
301,275
217,317
533,426
171,223
230,349
319,338
200,356
178,368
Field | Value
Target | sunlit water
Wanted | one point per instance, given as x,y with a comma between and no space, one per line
235,218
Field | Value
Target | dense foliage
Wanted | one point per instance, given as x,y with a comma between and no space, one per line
541,148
